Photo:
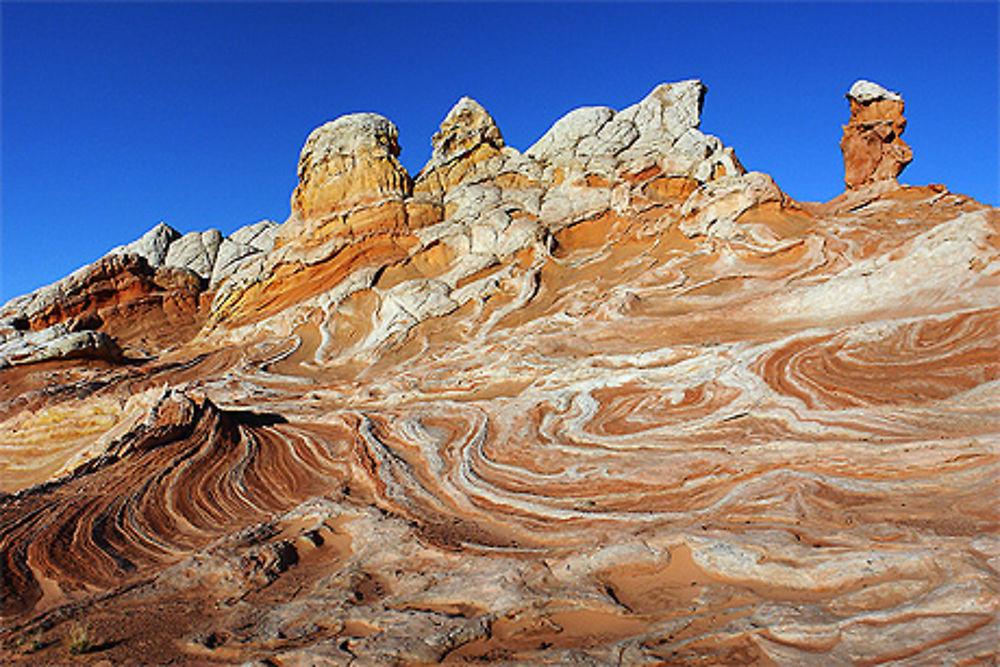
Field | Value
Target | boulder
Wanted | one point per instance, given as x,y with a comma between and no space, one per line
58,342
713,209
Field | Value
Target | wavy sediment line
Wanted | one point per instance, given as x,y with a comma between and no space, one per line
911,362
156,505
454,464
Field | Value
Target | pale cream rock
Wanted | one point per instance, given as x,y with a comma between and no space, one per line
195,251
153,246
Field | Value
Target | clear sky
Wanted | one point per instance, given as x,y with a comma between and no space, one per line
116,116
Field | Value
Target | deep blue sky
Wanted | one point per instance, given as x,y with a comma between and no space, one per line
116,116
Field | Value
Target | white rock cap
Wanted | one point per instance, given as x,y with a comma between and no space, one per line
868,91
352,134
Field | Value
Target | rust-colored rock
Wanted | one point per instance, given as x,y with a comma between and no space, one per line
351,183
873,148
349,212
142,307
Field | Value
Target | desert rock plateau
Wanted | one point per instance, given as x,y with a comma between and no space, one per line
612,400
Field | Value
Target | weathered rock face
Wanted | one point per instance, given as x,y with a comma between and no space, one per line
152,246
351,183
141,306
241,247
348,213
662,127
476,203
195,252
612,400
58,342
873,148
143,296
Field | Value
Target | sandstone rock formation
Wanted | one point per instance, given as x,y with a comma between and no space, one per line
151,246
243,246
612,400
145,295
141,306
58,342
873,148
195,252
351,183
475,204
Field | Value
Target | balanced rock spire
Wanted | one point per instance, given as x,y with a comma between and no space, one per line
873,149
565,406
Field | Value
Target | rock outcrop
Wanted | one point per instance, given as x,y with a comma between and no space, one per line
612,400
126,297
152,246
662,127
59,341
476,203
195,252
245,245
873,148
351,184
348,212
144,296
468,138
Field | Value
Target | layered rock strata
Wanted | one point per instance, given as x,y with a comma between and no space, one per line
145,296
612,400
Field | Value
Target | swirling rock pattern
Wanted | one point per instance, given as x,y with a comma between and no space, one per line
614,401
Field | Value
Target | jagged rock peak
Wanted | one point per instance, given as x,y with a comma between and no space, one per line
672,108
467,126
865,91
663,116
661,128
873,150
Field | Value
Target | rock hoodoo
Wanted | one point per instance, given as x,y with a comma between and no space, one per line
466,127
872,145
350,180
